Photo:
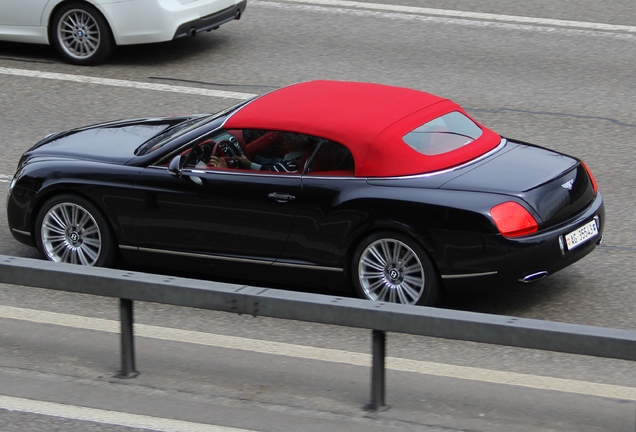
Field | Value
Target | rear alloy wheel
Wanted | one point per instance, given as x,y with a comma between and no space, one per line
71,230
391,267
81,34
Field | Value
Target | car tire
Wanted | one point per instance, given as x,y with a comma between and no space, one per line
70,229
393,268
81,34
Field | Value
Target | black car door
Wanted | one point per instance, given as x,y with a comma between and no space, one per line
327,216
234,215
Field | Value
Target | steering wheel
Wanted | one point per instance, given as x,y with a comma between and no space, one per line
229,150
232,147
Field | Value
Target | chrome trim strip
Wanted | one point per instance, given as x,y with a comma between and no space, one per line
502,144
328,177
26,233
307,266
468,275
225,258
199,255
194,171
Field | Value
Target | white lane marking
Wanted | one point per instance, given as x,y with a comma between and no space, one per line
326,355
83,79
116,418
389,11
5,178
447,20
466,15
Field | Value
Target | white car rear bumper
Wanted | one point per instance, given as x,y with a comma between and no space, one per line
148,21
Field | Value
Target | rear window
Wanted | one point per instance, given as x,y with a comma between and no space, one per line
443,134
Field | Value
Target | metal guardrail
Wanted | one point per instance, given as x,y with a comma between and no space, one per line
378,317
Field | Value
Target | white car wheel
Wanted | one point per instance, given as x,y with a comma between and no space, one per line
81,34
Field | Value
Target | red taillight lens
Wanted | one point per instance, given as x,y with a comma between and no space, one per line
512,220
592,179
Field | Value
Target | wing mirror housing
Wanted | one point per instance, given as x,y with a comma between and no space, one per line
174,167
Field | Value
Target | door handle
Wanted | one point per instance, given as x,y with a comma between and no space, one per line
281,197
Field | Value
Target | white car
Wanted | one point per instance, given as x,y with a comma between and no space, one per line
85,32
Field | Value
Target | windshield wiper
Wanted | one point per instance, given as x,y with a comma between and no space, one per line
162,136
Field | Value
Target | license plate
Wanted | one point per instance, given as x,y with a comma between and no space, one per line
578,237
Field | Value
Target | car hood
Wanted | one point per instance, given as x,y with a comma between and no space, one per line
113,142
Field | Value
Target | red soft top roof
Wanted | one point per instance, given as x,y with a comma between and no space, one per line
369,119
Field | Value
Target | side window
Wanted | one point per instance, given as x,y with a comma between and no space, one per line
267,151
251,150
200,152
332,159
193,155
278,151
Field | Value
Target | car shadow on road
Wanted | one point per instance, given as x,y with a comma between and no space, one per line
28,53
517,300
165,53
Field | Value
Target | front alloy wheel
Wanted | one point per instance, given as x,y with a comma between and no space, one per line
71,230
394,269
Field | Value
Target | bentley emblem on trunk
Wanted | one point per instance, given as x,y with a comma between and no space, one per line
568,185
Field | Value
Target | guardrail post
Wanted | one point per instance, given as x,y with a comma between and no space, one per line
127,341
378,377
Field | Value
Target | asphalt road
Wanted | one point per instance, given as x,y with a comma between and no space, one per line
566,84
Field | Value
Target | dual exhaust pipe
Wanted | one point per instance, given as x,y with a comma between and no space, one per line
193,30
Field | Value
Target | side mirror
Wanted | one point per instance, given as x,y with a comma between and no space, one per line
174,167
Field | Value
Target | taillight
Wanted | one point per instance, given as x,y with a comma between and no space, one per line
592,179
513,220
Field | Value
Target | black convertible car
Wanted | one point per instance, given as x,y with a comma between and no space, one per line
395,192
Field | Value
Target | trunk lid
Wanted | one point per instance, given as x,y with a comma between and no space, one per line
554,185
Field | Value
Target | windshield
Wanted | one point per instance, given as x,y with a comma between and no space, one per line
182,128
171,133
443,134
